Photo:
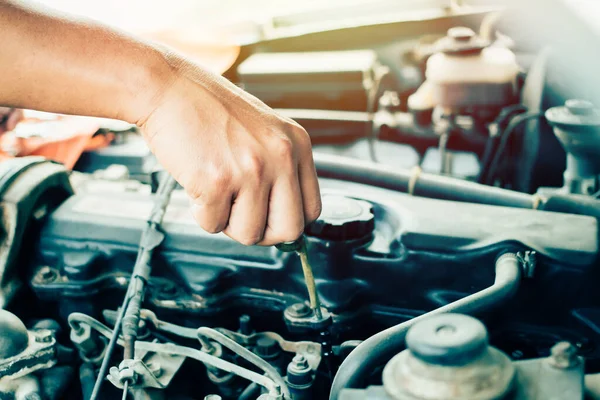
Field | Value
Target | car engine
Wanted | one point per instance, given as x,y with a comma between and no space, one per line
456,256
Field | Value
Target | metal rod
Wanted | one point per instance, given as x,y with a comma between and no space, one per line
309,279
110,348
125,389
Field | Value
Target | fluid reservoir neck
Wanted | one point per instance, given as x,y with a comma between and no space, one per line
577,127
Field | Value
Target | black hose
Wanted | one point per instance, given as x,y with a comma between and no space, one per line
504,137
87,377
423,184
251,392
382,346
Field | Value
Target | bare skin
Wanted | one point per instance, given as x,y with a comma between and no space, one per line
248,171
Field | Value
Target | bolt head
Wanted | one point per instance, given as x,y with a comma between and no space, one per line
300,361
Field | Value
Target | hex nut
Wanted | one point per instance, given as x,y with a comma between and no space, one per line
83,339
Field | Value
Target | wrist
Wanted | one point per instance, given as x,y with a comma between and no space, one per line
147,84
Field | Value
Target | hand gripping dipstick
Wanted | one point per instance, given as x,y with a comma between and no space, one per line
299,246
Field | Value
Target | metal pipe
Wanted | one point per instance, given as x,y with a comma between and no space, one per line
267,368
418,183
173,349
383,345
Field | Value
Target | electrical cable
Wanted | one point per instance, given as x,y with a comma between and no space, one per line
152,237
110,348
512,126
505,115
128,317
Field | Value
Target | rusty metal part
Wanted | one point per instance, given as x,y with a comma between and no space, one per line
40,353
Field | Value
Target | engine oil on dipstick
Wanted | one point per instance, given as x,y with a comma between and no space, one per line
299,246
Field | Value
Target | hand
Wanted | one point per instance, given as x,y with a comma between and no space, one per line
9,118
248,171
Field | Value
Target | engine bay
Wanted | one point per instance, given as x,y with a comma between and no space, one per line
456,256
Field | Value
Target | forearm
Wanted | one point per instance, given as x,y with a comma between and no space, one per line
54,63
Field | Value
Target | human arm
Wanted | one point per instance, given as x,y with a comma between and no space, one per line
248,170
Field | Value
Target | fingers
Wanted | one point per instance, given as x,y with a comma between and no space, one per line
249,216
309,184
285,221
212,213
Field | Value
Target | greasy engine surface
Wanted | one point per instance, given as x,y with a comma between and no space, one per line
378,261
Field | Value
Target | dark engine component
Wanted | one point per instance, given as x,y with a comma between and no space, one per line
412,261
380,259
448,357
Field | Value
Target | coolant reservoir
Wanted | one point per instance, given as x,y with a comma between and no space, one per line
466,72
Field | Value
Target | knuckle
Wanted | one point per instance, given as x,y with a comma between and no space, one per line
284,148
194,188
303,138
219,180
254,166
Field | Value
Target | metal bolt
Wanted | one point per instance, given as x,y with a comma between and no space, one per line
245,328
299,361
299,310
47,274
155,368
563,355
43,336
